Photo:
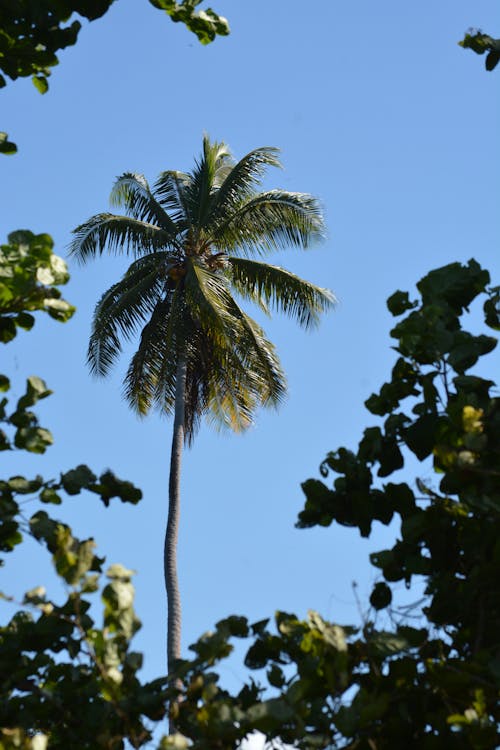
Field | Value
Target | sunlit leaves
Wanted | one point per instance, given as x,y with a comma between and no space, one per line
30,275
280,289
206,24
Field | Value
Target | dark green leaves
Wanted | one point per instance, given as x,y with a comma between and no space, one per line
77,479
482,43
453,286
23,423
434,407
6,146
399,302
33,35
381,596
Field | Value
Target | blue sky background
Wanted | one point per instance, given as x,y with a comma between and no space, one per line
394,127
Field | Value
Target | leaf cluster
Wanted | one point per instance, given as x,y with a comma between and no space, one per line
205,24
483,43
31,34
30,277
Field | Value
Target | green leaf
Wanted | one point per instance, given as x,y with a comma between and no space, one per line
76,480
110,486
23,486
492,309
6,146
269,714
456,285
7,329
467,349
399,302
276,676
420,436
36,389
492,60
49,495
33,439
381,596
59,309
41,83
25,321
118,572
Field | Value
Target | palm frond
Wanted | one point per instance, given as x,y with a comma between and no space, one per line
259,363
208,299
170,189
231,405
220,386
123,308
132,192
216,312
261,360
145,377
177,332
120,234
240,183
282,290
211,166
271,221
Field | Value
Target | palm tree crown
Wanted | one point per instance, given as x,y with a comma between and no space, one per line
197,239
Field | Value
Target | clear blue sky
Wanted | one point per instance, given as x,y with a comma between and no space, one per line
380,114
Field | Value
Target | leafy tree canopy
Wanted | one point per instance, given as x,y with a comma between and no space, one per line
32,33
427,683
65,681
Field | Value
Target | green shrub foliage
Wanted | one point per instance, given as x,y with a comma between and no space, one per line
65,681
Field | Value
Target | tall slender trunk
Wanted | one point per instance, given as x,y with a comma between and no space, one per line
170,552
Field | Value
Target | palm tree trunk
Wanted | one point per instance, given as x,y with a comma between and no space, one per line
170,552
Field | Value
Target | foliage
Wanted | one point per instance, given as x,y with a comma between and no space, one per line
6,146
32,33
64,681
193,236
481,43
30,274
206,24
426,685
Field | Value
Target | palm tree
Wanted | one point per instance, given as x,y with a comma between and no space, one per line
197,239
